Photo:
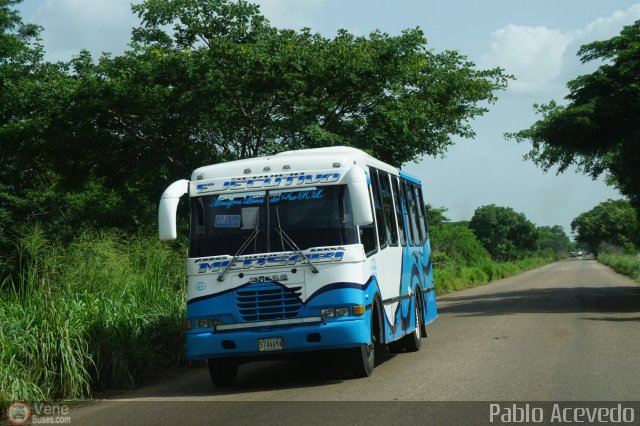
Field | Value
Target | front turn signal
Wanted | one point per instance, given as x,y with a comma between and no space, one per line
358,310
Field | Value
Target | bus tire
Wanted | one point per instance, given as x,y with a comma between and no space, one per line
413,341
362,359
223,371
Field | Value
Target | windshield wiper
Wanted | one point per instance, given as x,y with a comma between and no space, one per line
239,252
285,237
296,248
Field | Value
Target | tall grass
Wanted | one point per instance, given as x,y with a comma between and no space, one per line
625,264
449,278
102,312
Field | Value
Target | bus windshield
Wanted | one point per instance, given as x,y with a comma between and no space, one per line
310,217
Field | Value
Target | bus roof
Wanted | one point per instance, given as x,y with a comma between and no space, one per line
410,178
292,161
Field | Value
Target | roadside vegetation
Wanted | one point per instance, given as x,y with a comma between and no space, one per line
611,232
103,312
626,264
497,243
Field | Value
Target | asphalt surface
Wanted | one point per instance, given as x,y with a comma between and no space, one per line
569,331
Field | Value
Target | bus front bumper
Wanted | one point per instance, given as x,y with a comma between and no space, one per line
331,334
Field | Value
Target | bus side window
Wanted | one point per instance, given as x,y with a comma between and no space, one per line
387,204
424,225
415,216
407,214
397,205
377,203
368,232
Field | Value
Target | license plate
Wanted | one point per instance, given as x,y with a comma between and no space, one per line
271,344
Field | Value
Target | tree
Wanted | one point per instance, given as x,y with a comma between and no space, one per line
435,215
454,244
553,239
92,142
598,129
30,92
263,89
611,223
506,234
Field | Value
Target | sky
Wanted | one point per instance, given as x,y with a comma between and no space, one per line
536,41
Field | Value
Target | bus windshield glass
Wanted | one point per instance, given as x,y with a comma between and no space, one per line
310,217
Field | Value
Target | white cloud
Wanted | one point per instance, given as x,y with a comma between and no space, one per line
605,27
533,54
544,59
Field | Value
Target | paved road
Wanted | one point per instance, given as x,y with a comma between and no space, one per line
568,331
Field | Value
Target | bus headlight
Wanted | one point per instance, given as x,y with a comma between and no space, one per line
327,313
205,322
341,311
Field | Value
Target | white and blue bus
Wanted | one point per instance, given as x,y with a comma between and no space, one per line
308,250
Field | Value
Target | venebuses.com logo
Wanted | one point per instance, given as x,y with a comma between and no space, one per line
20,413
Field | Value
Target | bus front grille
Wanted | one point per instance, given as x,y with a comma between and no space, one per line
270,302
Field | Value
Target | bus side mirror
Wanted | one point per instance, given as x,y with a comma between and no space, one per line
168,208
359,194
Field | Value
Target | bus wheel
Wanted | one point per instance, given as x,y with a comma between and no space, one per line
362,359
223,371
413,341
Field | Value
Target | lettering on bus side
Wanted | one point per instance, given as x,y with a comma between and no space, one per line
293,179
206,265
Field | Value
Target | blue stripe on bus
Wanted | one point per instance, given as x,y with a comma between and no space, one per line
335,286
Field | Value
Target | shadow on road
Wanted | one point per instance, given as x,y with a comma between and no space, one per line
613,319
604,299
309,370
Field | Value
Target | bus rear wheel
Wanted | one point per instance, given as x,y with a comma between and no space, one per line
223,371
413,341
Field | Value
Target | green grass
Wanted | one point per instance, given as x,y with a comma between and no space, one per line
103,312
625,264
450,278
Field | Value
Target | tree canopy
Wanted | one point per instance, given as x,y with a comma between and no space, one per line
597,130
611,223
553,239
506,234
93,141
435,215
258,89
454,244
